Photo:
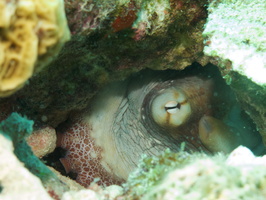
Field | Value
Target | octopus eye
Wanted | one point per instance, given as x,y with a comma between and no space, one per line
170,109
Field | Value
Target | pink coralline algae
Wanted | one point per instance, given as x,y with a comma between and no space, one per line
86,16
42,141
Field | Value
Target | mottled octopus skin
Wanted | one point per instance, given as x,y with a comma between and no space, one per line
83,156
108,139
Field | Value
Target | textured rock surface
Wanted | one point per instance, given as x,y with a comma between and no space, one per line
32,33
240,176
17,182
111,41
42,141
235,37
171,38
236,31
252,98
95,193
16,128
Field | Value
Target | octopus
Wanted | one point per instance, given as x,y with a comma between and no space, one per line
148,113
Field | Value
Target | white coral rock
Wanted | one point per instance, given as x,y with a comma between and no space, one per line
16,181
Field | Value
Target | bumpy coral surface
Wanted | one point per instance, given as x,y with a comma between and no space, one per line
148,17
42,141
31,30
111,40
235,37
241,176
95,193
236,31
16,181
151,170
16,128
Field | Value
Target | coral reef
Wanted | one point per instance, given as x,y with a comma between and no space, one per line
151,170
31,34
171,175
146,17
42,141
82,194
235,38
95,87
192,176
252,99
150,180
230,31
16,129
95,193
16,181
89,61
16,177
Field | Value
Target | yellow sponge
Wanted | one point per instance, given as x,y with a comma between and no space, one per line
30,31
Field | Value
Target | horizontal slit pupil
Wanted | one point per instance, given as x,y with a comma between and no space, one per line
173,107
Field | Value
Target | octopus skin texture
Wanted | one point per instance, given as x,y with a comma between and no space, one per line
145,114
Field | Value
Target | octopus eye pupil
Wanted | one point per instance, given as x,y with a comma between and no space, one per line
171,106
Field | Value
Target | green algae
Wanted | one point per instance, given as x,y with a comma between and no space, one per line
17,128
181,176
151,170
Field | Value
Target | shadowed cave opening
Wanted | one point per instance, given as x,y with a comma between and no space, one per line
222,105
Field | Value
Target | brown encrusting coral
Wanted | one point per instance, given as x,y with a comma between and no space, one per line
31,34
